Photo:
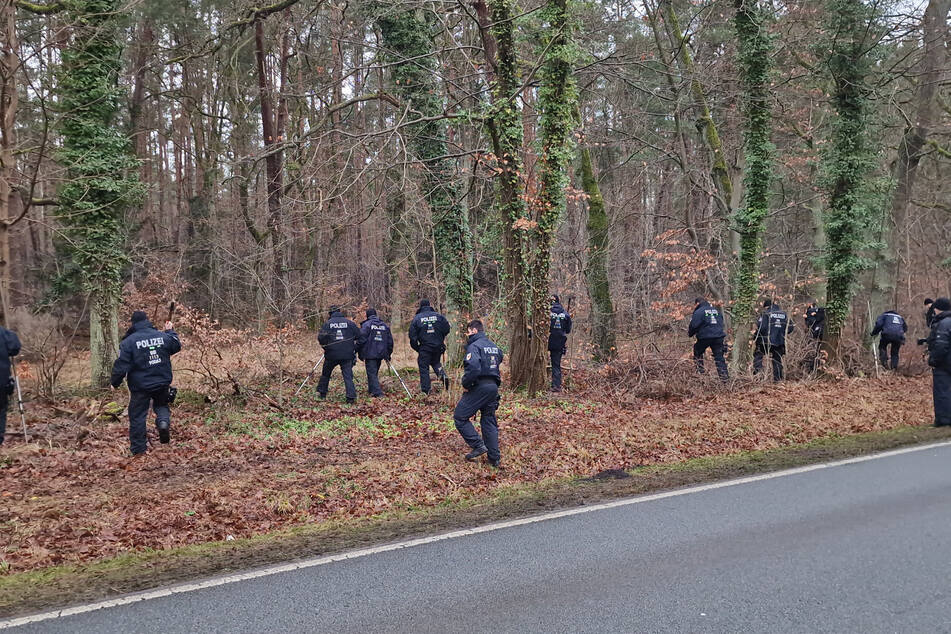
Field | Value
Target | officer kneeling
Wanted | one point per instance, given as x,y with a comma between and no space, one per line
145,358
481,381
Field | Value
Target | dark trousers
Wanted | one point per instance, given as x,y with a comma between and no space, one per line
941,387
139,403
429,359
4,404
346,369
556,356
484,398
373,376
776,354
883,352
716,349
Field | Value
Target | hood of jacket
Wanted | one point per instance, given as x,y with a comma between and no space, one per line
475,337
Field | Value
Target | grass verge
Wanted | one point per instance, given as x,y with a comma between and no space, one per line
58,586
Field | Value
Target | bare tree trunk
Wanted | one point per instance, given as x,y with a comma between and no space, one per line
8,107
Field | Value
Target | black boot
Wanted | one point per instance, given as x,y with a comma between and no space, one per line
163,431
476,453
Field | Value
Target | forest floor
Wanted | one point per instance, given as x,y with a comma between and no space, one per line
73,497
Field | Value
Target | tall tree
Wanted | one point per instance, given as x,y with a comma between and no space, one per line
928,72
408,35
755,57
100,171
849,158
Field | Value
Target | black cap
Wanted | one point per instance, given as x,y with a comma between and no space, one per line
371,312
334,309
138,316
942,303
928,300
699,300
767,304
424,302
556,299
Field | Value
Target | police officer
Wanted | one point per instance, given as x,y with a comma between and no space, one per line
427,334
145,359
558,331
771,329
340,339
929,311
939,358
707,325
481,381
10,348
377,346
892,327
816,320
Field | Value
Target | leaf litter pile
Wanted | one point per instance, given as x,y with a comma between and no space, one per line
73,495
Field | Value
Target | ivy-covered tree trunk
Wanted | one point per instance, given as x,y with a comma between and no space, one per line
557,104
849,159
100,182
507,134
755,57
408,37
596,273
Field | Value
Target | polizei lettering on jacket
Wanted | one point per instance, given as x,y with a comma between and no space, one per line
155,342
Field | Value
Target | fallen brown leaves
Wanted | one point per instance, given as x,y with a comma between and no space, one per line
74,496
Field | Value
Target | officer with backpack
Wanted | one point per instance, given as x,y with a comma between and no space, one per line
427,336
558,330
892,328
377,346
145,360
707,325
772,326
481,380
11,348
340,339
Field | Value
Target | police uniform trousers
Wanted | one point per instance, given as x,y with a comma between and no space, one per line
776,354
941,387
4,404
716,349
373,376
139,403
883,355
346,369
429,358
483,397
556,356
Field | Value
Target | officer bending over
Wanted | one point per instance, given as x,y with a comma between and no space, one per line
10,348
377,346
707,325
340,339
939,358
481,381
145,359
427,336
771,329
558,331
892,327
816,320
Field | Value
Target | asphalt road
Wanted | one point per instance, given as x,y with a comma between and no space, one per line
862,547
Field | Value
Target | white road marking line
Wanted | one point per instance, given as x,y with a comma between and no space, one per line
364,552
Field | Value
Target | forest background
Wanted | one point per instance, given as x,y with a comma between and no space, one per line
264,162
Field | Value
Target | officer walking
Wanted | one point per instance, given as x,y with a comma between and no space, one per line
558,331
481,381
377,347
427,334
145,360
816,320
892,327
939,358
340,339
11,348
707,325
771,329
